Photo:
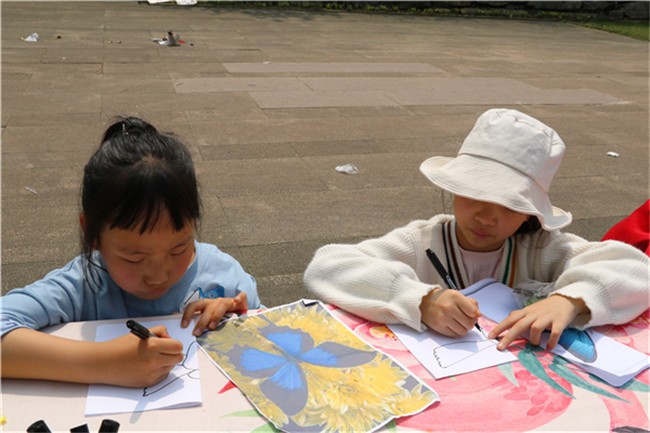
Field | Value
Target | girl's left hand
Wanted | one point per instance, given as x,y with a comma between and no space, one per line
555,313
212,311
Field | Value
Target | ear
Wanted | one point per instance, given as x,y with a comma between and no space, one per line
82,221
83,224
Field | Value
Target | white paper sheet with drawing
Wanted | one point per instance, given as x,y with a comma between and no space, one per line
445,356
182,388
596,353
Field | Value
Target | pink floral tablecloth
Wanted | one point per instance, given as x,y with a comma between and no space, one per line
540,392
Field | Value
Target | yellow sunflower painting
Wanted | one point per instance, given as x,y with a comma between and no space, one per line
304,370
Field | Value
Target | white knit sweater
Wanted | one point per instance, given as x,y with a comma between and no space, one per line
384,279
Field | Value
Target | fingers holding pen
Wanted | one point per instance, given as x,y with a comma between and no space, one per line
449,312
160,331
469,307
165,344
134,361
162,346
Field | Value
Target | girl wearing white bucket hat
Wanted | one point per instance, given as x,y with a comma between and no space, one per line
503,227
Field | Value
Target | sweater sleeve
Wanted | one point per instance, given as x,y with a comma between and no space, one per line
55,299
610,277
375,279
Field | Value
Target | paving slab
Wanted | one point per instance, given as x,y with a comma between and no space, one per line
271,101
346,213
334,68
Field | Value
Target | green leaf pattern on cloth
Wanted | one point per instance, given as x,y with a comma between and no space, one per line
532,364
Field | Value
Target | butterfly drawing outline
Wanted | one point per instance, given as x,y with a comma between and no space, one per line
172,378
450,354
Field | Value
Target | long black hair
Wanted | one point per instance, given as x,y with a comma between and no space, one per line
136,176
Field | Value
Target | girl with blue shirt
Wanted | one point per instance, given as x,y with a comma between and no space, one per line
140,257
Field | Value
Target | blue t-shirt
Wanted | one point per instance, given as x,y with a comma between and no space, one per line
66,295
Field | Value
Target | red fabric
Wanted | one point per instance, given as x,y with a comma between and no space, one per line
633,229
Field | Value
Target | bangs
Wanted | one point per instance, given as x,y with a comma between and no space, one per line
146,193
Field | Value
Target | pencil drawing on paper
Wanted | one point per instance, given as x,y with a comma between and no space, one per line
180,388
450,354
181,370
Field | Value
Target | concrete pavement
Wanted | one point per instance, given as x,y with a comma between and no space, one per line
271,101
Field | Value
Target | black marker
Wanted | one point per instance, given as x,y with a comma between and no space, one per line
108,425
445,276
441,269
139,330
38,427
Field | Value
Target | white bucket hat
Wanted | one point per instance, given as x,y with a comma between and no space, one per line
509,158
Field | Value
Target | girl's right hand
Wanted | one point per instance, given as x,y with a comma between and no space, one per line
449,312
135,362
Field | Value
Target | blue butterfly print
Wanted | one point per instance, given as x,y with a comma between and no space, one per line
216,292
285,383
579,344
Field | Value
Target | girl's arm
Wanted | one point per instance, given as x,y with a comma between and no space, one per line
125,361
383,279
611,278
592,284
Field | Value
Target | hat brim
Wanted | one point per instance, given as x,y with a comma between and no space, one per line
487,180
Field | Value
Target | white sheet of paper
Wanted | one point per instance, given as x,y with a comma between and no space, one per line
445,356
182,388
616,363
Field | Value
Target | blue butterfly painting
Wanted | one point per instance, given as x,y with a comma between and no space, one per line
284,379
579,344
